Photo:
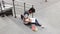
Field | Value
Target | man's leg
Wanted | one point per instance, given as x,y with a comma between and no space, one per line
37,23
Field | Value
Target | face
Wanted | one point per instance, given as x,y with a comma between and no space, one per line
26,16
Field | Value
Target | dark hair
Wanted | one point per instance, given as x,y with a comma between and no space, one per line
31,10
26,12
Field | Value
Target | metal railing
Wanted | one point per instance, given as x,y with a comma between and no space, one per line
19,5
24,5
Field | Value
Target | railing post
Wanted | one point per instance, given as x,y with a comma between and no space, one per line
2,5
32,13
45,0
24,7
14,8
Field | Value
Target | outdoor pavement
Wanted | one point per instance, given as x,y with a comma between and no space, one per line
47,13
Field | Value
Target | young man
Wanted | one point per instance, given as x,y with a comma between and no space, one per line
32,21
31,10
29,21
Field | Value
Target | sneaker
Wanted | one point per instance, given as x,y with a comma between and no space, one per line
42,26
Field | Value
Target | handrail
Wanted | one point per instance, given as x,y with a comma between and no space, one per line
19,7
16,4
28,4
19,1
24,2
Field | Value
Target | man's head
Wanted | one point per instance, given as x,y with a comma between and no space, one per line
32,10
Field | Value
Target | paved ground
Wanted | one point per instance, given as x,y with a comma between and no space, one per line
47,13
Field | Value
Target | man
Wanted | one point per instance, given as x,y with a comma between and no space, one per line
29,21
31,10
